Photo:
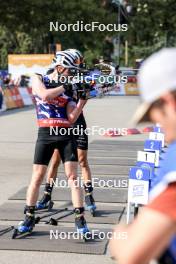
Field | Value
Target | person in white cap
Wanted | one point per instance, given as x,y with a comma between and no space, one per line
152,234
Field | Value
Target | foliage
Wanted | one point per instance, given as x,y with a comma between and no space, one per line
24,27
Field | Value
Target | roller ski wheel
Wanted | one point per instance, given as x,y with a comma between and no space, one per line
50,206
53,222
43,204
82,228
93,211
90,204
86,236
24,228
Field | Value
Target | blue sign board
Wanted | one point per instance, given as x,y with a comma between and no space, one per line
152,145
157,129
139,173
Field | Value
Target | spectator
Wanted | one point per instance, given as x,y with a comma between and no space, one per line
7,79
155,226
24,82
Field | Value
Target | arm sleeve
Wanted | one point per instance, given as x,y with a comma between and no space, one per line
166,202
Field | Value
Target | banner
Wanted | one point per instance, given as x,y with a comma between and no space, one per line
8,99
27,64
29,89
16,97
117,90
4,108
131,88
25,96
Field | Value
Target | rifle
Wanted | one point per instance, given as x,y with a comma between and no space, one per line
85,81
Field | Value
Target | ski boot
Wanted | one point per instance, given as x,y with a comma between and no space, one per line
90,203
25,227
89,200
81,224
46,202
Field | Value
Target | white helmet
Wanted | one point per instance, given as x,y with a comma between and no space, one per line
64,59
77,54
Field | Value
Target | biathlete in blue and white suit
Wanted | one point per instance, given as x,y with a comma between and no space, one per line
82,149
55,109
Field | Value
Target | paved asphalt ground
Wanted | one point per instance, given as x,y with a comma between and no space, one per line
17,137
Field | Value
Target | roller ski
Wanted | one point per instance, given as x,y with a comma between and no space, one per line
25,227
90,204
89,200
6,230
46,202
81,225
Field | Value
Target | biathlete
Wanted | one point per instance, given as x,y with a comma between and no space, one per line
82,150
55,109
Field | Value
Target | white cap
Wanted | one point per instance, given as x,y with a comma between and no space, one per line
156,77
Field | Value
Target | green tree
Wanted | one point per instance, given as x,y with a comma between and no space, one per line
24,26
28,24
